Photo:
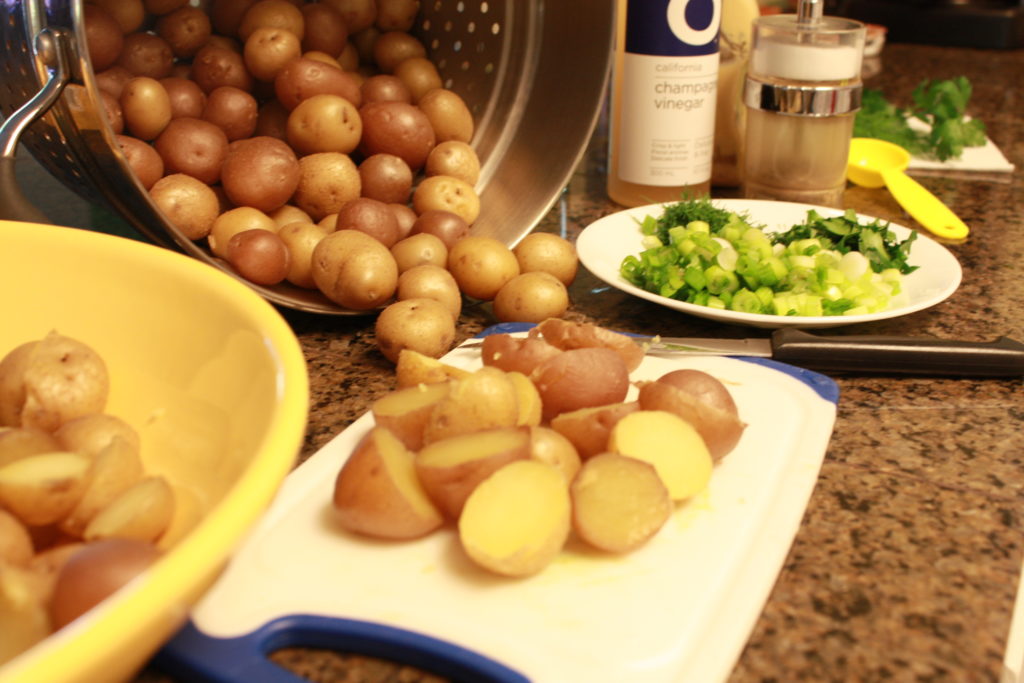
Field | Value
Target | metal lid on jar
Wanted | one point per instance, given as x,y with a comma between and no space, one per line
799,100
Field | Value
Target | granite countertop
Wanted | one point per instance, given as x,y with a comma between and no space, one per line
906,563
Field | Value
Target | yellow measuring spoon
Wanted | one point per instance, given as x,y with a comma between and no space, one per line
877,163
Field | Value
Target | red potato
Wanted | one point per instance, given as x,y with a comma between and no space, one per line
574,335
451,468
484,399
94,573
581,378
700,399
378,493
588,429
519,354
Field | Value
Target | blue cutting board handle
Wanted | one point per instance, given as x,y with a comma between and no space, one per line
194,656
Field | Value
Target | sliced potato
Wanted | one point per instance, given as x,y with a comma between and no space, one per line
549,446
618,502
405,412
451,468
377,492
668,442
141,512
414,368
517,520
15,540
42,489
527,399
115,469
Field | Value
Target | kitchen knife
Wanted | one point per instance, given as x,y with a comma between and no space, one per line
1003,357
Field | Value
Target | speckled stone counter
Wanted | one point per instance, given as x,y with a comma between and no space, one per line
906,564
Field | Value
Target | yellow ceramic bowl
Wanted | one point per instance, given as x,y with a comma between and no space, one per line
210,375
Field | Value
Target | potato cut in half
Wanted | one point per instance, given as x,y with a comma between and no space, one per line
406,411
527,399
700,399
19,442
413,367
580,378
484,399
517,520
589,428
141,512
24,620
668,442
114,469
618,502
377,492
42,489
451,468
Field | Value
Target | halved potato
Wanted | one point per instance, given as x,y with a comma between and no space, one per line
141,512
668,442
618,502
406,412
377,492
413,367
451,468
517,520
549,446
588,429
42,489
115,468
484,399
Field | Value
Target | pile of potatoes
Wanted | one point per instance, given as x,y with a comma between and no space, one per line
538,444
313,144
79,515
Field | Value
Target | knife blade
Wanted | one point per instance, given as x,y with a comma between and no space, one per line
1003,357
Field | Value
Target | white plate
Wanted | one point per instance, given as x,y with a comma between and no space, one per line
605,243
679,608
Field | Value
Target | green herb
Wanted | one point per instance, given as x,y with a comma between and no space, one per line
701,254
942,104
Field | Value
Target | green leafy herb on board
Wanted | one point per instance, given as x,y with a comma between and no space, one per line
941,104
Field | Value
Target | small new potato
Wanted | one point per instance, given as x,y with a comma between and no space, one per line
232,222
449,227
190,205
430,282
260,256
447,193
324,123
420,76
481,266
354,270
581,378
549,253
531,297
397,128
371,216
327,181
448,113
261,172
301,238
48,382
143,160
146,107
194,147
90,434
420,249
423,325
455,159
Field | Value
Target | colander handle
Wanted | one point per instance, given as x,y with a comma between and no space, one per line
14,206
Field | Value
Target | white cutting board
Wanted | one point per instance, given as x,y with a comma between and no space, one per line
680,608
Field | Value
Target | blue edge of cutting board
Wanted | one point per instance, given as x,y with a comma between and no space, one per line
192,655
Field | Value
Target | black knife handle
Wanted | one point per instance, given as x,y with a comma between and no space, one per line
1003,357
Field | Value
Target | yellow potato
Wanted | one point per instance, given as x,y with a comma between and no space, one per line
141,512
419,249
377,492
90,434
549,253
19,442
668,442
447,193
423,325
517,520
455,159
413,367
431,282
405,412
527,399
484,399
15,541
451,468
301,238
42,489
547,445
481,266
531,298
354,270
48,382
23,616
114,469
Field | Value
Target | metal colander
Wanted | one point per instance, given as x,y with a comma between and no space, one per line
533,74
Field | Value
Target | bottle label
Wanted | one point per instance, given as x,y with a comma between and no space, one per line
668,83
